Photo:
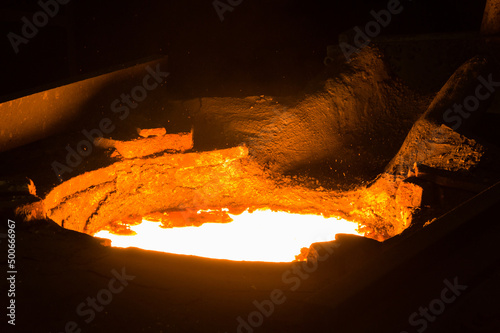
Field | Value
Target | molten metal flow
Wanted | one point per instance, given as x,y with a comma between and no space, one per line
263,235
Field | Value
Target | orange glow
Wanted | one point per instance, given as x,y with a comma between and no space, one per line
262,235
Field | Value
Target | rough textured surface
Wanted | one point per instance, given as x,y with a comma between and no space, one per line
148,145
313,129
355,106
431,141
217,179
146,132
350,124
435,146
491,20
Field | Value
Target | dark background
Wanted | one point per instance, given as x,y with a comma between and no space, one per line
261,47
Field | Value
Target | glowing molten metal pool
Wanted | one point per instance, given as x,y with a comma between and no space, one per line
262,235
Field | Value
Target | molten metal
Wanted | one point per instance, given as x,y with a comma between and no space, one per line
263,235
